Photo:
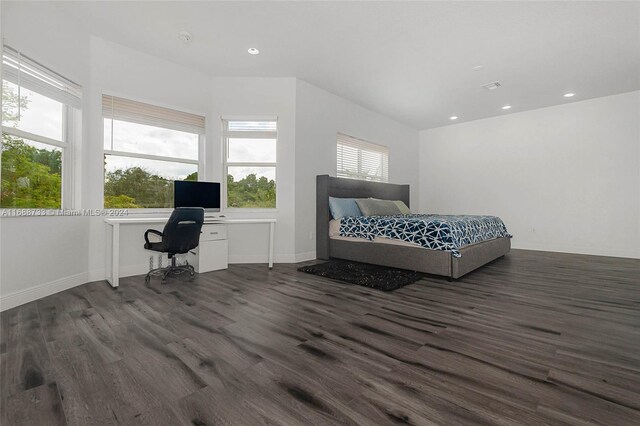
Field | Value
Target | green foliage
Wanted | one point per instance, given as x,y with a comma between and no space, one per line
138,188
251,192
120,202
31,177
144,188
10,103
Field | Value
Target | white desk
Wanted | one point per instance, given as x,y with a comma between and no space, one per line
112,257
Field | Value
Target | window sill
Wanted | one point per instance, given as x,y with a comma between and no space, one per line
247,210
146,212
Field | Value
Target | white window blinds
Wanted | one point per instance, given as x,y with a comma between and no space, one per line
25,72
359,159
138,112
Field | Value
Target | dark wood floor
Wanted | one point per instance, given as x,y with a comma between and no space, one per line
533,338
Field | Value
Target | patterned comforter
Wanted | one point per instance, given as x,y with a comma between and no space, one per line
432,231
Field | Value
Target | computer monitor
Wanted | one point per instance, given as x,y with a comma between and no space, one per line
197,194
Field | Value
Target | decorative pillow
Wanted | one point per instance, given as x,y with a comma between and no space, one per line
402,206
341,207
375,207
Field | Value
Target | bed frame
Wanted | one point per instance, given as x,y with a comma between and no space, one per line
413,258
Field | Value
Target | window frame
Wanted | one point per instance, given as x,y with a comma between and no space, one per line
362,145
71,125
199,162
246,134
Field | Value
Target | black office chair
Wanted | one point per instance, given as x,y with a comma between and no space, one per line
180,234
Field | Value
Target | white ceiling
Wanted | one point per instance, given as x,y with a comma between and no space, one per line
408,60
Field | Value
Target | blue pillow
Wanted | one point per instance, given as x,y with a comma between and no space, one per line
341,207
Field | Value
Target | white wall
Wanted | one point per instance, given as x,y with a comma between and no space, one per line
38,251
126,72
70,250
48,254
320,115
565,178
259,97
118,70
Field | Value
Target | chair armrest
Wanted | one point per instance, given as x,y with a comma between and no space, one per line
151,231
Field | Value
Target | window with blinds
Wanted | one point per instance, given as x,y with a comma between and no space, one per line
122,109
40,118
26,73
359,159
250,148
147,148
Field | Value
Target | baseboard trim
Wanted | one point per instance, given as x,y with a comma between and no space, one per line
97,275
241,258
574,250
131,270
303,257
261,258
125,271
31,294
284,258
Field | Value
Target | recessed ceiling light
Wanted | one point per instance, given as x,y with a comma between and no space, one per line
569,95
453,117
253,51
506,107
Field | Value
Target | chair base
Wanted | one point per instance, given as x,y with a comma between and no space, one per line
172,269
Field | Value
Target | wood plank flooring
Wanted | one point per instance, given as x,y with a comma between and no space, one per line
533,338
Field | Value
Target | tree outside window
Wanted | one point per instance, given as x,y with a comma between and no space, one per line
250,163
31,171
146,149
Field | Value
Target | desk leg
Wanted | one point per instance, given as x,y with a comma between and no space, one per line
271,232
108,253
115,256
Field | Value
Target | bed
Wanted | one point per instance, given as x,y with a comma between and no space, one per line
390,253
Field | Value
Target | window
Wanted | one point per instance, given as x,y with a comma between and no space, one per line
146,148
250,163
359,159
40,110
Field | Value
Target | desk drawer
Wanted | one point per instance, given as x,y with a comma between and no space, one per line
213,232
212,256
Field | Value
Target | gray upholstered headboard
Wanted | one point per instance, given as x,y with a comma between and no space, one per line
327,186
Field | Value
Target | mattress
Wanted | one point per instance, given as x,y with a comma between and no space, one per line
436,232
379,240
334,234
